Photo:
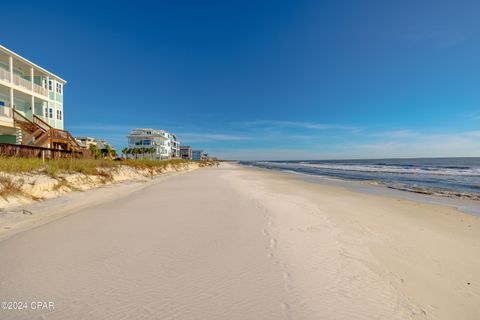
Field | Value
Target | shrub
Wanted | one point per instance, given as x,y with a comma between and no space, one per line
10,187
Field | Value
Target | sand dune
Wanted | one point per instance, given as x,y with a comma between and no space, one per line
237,243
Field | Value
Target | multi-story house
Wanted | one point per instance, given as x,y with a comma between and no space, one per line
186,152
172,145
165,144
199,155
86,142
32,92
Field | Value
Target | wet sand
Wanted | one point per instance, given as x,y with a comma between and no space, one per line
238,243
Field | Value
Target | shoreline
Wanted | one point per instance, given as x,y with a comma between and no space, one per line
465,205
427,252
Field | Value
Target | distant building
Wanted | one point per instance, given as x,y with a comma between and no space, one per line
186,152
165,144
86,142
173,144
199,155
102,144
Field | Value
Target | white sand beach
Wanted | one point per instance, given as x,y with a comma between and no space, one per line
240,243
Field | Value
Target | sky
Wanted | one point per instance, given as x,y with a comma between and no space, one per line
264,80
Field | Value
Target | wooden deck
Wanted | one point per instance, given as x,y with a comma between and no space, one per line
26,151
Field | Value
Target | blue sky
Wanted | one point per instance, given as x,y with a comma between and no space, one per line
265,79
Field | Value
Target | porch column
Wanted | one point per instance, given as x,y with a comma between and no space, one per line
33,106
48,100
10,68
11,98
31,77
33,91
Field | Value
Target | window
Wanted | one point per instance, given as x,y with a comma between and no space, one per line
2,103
50,113
59,114
50,84
59,88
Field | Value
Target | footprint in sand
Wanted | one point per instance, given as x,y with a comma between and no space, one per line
273,243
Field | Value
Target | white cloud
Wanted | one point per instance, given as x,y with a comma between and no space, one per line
101,128
208,137
299,124
408,144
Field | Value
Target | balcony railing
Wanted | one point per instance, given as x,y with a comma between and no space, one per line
19,81
24,83
40,90
4,75
5,112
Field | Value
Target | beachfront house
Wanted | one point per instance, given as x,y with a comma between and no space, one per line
86,142
186,152
160,144
172,145
199,155
31,91
31,110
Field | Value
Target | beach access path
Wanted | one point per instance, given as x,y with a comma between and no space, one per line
239,243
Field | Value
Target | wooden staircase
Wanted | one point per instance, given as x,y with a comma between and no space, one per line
38,133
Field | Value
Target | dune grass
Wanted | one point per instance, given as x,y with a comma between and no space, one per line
98,167
10,186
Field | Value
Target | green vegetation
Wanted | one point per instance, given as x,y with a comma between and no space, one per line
139,153
106,153
10,187
86,166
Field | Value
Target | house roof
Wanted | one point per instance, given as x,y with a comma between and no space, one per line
28,62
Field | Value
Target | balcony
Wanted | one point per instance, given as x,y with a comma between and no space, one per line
23,83
4,75
40,90
6,117
18,81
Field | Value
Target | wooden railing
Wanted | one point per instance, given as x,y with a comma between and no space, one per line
62,135
73,141
15,150
55,137
56,134
17,116
41,123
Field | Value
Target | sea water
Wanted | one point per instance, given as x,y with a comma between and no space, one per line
453,177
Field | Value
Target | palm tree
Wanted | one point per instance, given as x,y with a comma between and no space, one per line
95,151
105,152
151,150
135,152
125,151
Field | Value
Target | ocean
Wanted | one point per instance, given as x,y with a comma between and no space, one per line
452,177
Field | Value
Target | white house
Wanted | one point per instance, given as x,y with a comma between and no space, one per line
165,144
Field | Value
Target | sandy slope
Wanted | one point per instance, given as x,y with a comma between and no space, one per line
236,243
